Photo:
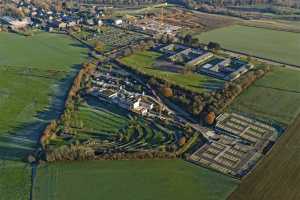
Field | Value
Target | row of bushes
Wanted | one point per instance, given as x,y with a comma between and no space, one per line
69,105
80,152
200,105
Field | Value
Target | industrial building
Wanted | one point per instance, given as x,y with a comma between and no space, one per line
225,69
185,55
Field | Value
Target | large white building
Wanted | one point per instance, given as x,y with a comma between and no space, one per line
118,22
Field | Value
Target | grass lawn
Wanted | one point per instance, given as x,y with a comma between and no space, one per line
43,50
277,176
15,180
144,61
102,117
277,45
276,96
131,180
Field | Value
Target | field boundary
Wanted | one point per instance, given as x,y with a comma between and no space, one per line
269,28
261,58
264,59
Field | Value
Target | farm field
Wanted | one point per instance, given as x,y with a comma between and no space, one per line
276,96
15,180
24,107
130,180
276,45
33,69
145,62
277,176
43,50
23,92
35,74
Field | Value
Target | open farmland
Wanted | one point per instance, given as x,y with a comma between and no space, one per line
35,75
43,50
24,101
276,96
145,62
129,180
15,180
33,69
277,176
276,45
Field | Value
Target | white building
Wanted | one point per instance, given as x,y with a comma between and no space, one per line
100,22
118,22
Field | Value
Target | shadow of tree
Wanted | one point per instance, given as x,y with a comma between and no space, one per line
21,140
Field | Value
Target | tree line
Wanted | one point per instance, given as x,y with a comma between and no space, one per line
65,122
79,152
287,3
206,106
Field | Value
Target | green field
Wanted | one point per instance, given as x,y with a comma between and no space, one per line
22,94
35,75
144,61
32,69
15,180
277,176
277,45
131,180
276,96
43,50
